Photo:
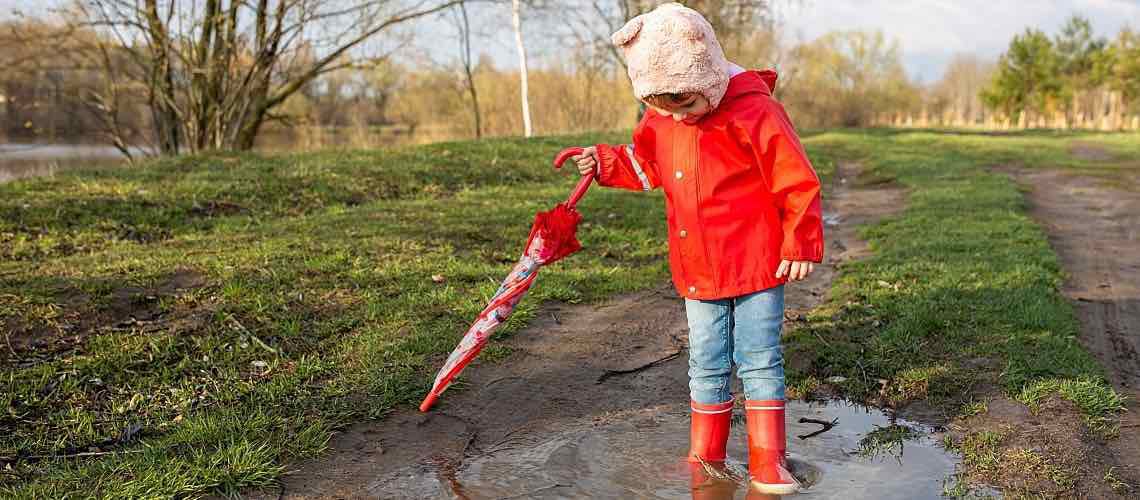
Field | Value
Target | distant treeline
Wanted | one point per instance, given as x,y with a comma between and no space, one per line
1074,79
849,78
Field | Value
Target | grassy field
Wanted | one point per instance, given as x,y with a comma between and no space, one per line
191,325
962,277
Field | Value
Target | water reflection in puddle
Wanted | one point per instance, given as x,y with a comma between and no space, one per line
865,456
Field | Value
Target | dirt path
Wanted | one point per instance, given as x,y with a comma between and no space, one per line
561,375
1095,229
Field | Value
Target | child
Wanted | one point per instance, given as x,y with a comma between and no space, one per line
743,209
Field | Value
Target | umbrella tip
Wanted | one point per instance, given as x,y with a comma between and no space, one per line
428,401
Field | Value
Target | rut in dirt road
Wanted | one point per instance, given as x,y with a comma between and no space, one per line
1095,229
594,398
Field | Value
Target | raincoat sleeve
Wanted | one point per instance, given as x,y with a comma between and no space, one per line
629,166
793,182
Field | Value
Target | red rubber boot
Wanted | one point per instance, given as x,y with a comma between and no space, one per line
708,437
767,463
708,431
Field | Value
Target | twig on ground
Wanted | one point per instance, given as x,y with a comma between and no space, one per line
470,441
821,339
556,321
863,370
651,364
532,492
500,379
826,426
722,473
8,340
235,324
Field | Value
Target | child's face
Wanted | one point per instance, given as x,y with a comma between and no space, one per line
690,108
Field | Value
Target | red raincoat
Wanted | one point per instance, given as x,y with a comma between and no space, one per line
740,193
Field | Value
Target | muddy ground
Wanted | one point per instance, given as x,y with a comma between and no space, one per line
573,366
1095,229
27,344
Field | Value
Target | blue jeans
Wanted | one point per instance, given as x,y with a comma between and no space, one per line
743,329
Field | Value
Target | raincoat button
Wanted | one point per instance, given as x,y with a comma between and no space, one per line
683,233
692,289
679,174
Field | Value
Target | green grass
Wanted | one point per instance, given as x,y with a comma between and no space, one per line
887,441
311,302
981,450
1098,402
317,306
963,274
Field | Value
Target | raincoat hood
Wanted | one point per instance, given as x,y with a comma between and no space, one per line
761,82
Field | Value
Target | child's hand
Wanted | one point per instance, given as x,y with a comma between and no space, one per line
795,270
587,161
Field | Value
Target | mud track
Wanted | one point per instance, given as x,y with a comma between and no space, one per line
1095,229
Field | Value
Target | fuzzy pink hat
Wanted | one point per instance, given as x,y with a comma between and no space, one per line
673,50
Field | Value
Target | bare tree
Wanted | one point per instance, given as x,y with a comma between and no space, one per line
215,71
516,17
463,24
596,21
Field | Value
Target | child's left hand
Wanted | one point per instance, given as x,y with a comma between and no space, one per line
795,270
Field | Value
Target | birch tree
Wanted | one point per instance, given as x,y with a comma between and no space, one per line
516,18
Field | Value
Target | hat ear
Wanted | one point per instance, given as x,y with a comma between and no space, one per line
627,33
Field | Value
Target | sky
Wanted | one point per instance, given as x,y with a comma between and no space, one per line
931,32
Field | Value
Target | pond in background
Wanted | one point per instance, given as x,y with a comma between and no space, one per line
20,160
33,159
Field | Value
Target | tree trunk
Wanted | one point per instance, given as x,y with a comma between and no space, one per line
9,109
161,96
251,126
201,135
466,42
517,19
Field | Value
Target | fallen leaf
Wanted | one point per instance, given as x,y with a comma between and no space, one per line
438,278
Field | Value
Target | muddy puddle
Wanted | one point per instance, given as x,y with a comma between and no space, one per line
640,455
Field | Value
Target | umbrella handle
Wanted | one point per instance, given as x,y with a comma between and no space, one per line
428,401
583,184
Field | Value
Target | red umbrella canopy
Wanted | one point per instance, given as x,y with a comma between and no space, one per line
552,237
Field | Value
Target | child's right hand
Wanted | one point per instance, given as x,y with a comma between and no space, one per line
587,161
